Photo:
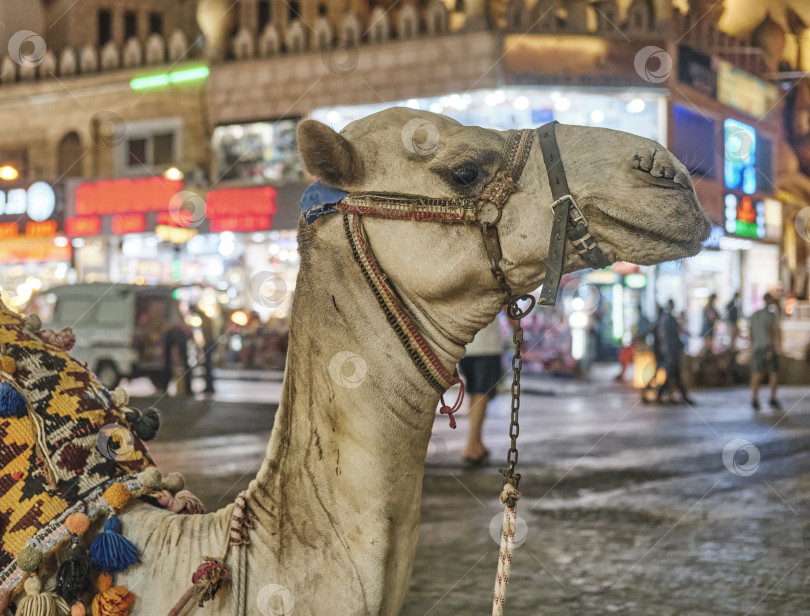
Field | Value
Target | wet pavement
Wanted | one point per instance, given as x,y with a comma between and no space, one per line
626,508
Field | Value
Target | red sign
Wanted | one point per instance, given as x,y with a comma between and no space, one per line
122,196
240,209
128,223
9,230
76,226
46,228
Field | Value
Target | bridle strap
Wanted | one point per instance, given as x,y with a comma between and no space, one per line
566,224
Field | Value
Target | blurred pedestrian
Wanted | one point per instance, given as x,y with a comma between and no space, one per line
481,367
733,318
671,351
175,354
710,318
209,348
765,348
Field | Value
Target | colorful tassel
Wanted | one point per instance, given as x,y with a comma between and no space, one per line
12,403
111,552
120,397
144,424
38,603
73,575
77,609
8,365
111,600
151,478
33,323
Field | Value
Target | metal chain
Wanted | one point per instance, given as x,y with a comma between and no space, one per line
516,313
514,423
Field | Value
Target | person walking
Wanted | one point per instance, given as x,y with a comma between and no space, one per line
765,348
733,318
710,318
481,367
209,348
669,333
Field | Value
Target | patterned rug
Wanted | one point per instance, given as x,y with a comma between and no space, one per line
63,439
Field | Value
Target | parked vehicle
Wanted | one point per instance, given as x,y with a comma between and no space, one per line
119,328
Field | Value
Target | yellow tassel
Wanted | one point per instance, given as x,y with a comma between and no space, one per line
37,603
111,600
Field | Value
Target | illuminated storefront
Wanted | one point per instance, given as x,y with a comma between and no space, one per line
33,255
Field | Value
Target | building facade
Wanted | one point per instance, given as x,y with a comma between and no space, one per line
106,95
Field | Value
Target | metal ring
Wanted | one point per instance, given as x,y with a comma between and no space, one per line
513,309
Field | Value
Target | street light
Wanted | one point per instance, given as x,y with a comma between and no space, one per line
8,173
173,173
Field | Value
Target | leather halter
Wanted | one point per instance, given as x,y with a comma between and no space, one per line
485,211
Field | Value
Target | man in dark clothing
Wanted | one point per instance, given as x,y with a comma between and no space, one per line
669,334
733,317
710,317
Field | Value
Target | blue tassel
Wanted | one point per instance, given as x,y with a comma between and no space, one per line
12,403
111,552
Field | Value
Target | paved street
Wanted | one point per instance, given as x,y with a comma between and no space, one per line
627,508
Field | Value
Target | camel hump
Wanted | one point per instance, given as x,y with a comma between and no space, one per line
65,438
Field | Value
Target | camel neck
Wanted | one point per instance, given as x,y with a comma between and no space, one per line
341,483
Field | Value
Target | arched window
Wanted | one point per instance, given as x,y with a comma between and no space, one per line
71,154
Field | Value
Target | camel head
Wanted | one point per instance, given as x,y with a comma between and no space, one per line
637,198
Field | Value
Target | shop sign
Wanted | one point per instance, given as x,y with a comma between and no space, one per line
569,60
744,91
78,226
125,195
38,201
128,223
240,209
696,71
33,252
740,156
745,217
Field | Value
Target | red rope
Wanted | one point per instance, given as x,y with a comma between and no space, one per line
447,410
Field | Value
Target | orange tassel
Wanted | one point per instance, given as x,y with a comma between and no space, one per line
111,600
77,609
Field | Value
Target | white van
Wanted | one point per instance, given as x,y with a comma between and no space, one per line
119,327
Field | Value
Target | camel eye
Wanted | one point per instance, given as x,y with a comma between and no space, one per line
465,174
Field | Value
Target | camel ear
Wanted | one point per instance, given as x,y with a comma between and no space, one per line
327,155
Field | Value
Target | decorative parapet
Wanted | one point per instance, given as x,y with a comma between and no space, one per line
643,21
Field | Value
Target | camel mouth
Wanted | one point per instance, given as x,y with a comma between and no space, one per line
683,235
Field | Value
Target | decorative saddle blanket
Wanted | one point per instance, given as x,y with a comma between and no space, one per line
63,440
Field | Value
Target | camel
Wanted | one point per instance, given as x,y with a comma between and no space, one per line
336,503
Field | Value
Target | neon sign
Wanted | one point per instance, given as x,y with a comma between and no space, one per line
128,223
240,209
77,226
125,195
740,147
38,201
745,217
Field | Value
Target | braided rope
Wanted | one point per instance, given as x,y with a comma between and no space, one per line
507,547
